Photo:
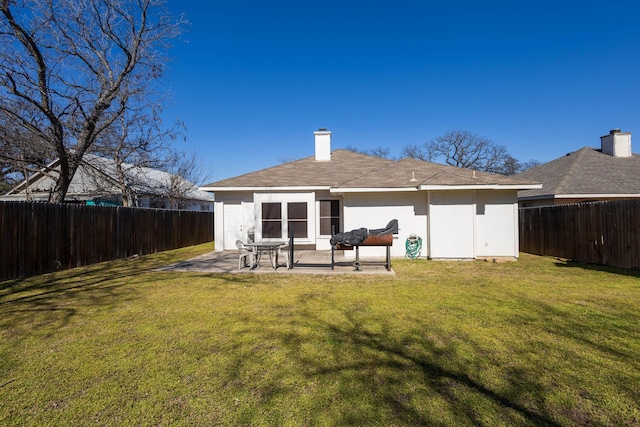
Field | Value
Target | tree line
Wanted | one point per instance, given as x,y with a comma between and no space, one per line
460,148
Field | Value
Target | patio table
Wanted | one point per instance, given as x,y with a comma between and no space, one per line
270,247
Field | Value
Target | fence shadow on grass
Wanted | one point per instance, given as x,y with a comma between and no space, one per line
590,324
599,267
51,300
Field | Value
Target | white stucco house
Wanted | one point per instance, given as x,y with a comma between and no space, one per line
458,213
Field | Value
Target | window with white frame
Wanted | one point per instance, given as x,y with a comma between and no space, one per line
296,219
272,220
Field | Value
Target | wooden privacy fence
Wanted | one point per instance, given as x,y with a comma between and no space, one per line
41,237
606,233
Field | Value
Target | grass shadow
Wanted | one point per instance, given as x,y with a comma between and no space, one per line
598,267
67,293
396,373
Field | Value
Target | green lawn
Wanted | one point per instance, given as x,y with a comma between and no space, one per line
535,342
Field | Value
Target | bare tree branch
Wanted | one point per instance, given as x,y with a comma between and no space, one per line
136,141
414,152
464,149
382,152
77,65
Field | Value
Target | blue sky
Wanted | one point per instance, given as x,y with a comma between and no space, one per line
252,80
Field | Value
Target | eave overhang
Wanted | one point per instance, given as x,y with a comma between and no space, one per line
372,190
591,195
480,187
581,196
239,189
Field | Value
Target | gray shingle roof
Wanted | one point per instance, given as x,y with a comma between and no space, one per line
586,171
400,173
344,165
95,176
348,169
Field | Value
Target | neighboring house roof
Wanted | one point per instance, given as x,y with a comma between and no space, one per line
585,172
351,171
96,177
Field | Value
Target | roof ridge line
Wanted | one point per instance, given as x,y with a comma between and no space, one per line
572,168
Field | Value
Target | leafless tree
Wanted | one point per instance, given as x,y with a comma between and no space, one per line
136,140
21,154
185,174
414,152
75,65
528,165
464,149
382,152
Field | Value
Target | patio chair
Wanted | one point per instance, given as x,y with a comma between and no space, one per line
283,251
244,254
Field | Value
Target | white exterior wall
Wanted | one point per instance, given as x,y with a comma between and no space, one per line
375,210
471,224
245,200
218,226
496,223
308,198
451,224
251,214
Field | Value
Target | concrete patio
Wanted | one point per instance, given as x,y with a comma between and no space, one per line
305,262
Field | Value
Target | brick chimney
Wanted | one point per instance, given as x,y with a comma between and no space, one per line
617,143
323,145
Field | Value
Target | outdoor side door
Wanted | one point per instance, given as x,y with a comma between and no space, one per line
233,225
